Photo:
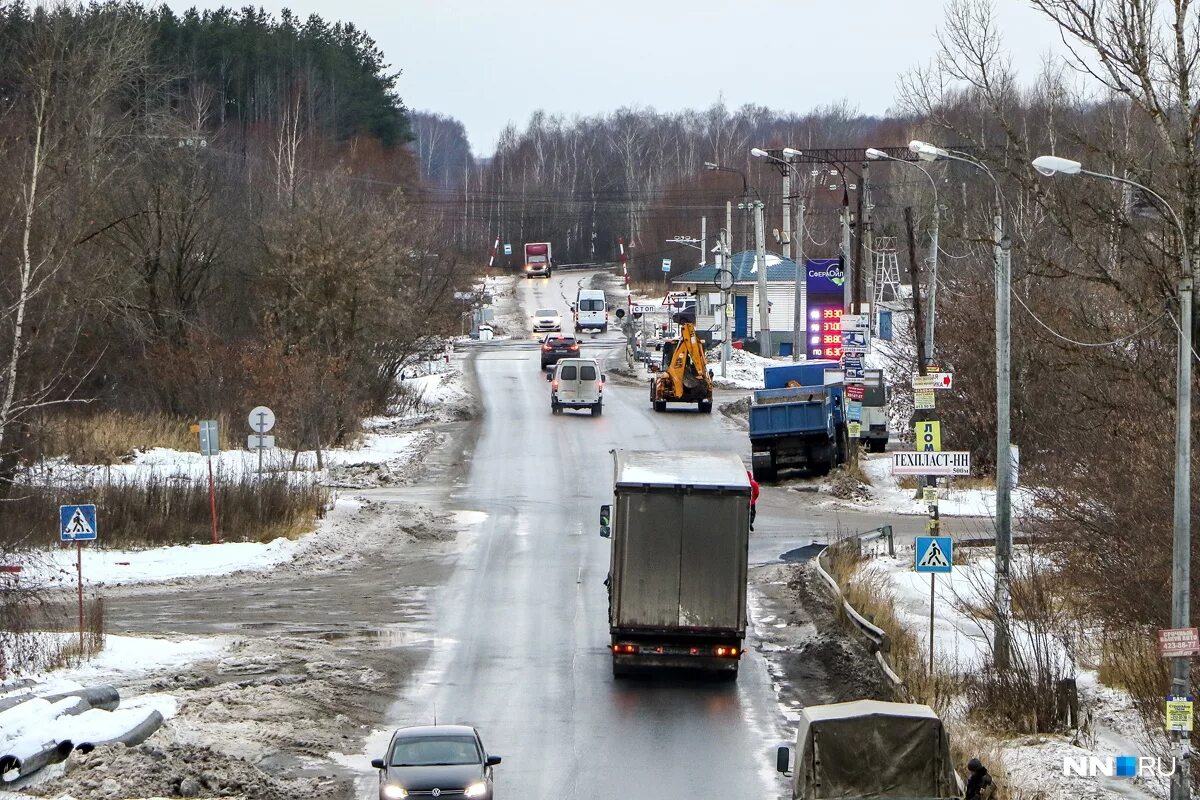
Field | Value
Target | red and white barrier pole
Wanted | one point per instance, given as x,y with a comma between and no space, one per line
492,257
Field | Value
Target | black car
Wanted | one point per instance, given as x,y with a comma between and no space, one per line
443,761
558,346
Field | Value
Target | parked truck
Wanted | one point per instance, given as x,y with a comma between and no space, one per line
874,432
538,260
870,749
679,524
799,420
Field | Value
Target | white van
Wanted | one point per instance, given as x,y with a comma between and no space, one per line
576,383
591,310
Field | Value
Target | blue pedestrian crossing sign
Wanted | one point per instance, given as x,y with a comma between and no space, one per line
77,523
935,553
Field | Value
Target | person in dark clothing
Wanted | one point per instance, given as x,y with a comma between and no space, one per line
979,785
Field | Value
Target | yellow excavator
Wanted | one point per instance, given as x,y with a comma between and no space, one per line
685,376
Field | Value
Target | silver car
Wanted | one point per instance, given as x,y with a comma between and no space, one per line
547,319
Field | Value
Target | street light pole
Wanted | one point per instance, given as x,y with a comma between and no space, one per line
1181,544
1003,277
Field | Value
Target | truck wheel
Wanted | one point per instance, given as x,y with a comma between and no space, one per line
765,474
705,406
596,410
619,671
660,405
726,676
604,329
554,409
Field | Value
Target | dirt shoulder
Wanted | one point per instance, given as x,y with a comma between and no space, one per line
812,658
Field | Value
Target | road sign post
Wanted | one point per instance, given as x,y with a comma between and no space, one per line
77,523
261,419
210,445
933,554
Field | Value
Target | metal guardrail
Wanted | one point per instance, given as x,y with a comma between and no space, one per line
878,636
594,265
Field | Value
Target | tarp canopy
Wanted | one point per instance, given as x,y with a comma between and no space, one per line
872,749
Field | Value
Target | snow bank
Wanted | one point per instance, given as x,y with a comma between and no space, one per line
122,657
115,567
744,370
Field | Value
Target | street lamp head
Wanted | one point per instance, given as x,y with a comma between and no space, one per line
1053,165
875,155
926,151
792,152
758,152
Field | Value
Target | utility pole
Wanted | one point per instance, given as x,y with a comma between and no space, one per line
847,272
726,349
787,213
930,318
760,260
1004,540
728,232
858,249
799,324
703,242
868,238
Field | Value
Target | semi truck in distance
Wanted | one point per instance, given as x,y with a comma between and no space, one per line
679,524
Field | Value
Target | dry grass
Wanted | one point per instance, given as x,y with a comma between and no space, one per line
868,593
110,437
854,469
30,625
967,742
158,511
648,288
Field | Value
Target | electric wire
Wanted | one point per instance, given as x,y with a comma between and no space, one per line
1078,343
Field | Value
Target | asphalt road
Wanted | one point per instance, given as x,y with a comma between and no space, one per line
526,609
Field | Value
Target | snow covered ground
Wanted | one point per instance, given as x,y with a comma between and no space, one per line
962,644
744,370
887,495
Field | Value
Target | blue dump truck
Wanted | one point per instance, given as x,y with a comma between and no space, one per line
799,420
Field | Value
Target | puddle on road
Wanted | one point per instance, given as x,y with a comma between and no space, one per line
384,637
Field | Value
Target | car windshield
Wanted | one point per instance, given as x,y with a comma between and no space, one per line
546,312
428,751
568,373
587,373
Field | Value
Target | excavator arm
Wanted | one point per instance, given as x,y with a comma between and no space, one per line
685,377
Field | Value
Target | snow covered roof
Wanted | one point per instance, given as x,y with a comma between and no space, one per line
681,468
745,270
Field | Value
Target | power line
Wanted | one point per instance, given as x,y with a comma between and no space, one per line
1068,339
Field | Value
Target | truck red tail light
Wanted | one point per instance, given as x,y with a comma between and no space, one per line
625,648
725,652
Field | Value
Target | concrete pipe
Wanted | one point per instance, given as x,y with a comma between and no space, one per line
135,735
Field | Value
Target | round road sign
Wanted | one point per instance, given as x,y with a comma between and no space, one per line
724,280
261,419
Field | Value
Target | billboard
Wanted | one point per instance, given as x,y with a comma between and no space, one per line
823,281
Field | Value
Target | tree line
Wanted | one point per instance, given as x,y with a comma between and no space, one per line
202,213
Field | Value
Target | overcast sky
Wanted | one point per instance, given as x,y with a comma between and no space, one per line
489,62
